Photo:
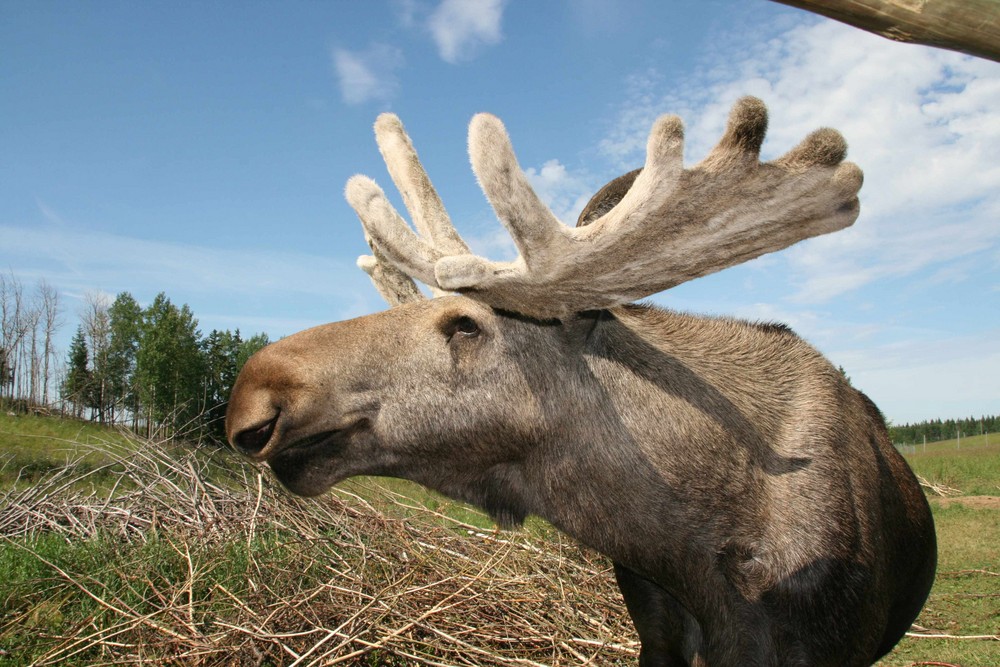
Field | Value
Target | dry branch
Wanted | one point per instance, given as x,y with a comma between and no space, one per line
942,490
922,635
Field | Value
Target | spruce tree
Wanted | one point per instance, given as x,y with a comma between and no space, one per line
76,386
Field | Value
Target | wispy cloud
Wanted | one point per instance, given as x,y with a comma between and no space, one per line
83,260
461,28
406,12
898,375
924,125
368,75
564,192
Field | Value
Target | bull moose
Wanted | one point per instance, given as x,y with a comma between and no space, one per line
750,499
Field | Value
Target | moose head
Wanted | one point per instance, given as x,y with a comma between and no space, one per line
753,506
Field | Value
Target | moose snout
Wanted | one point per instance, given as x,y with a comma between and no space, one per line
256,407
251,422
288,391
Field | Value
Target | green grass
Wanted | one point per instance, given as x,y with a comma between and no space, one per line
971,441
398,497
33,445
965,600
973,469
192,583
38,600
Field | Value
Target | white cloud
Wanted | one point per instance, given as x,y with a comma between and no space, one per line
496,244
923,124
406,12
460,28
563,192
913,380
368,75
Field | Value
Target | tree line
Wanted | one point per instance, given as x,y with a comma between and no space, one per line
943,429
150,369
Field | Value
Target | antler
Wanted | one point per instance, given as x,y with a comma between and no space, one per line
672,225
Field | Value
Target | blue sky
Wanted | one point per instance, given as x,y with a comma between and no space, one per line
201,150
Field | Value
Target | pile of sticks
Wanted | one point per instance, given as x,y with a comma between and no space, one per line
219,565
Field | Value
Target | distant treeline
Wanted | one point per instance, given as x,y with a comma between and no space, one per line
947,429
151,367
147,368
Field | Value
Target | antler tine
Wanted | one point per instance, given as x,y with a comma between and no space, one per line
388,235
533,227
530,222
395,286
419,196
656,181
742,138
381,220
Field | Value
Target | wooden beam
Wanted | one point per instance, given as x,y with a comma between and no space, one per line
968,26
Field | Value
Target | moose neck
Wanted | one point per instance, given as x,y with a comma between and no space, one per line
648,431
607,429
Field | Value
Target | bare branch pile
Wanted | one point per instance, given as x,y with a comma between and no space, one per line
202,560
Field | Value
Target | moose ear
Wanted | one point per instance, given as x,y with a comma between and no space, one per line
607,198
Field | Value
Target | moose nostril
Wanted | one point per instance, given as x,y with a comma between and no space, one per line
253,440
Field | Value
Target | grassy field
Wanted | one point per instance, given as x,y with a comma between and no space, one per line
150,552
972,467
32,445
964,490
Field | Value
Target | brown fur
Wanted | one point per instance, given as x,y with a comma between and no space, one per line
754,507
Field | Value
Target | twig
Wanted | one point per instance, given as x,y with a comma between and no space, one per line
921,635
938,489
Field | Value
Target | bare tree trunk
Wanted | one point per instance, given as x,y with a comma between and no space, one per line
50,313
97,327
25,325
35,365
11,331
968,26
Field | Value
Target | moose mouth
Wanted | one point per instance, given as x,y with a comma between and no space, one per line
301,465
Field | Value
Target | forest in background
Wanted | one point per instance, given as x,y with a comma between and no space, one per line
935,430
149,369
152,370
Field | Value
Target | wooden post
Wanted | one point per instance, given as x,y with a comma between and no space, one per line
968,26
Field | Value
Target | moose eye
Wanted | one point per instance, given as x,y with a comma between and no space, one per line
466,326
461,326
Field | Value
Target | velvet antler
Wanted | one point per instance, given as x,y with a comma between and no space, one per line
673,224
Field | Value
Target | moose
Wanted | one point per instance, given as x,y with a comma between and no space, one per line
749,497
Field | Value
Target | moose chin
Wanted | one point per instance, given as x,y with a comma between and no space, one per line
750,499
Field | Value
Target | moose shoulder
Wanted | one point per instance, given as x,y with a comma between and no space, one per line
751,501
